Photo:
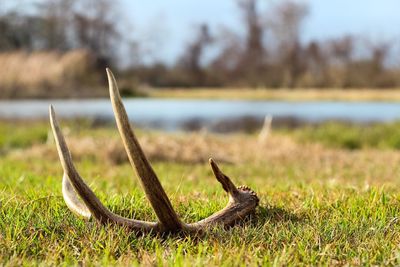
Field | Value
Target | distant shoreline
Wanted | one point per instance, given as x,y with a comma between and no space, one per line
353,95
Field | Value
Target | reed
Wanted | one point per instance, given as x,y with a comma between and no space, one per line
45,73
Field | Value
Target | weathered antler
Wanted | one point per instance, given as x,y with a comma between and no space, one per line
242,200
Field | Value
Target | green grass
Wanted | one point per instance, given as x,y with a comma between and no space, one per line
319,206
21,134
342,135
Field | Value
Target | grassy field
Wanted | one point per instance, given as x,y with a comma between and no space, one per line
281,94
324,199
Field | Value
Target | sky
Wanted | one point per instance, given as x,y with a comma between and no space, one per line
168,25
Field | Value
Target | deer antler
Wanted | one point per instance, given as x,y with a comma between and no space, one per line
242,200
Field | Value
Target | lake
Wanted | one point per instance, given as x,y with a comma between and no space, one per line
173,114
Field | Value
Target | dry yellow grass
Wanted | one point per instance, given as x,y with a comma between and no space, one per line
281,94
278,150
40,73
171,147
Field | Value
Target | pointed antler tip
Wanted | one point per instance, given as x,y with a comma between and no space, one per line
214,166
110,74
112,84
227,184
52,114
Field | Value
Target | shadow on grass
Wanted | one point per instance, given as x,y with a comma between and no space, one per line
264,215
277,215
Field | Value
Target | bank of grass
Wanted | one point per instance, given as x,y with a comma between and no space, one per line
351,136
331,94
320,204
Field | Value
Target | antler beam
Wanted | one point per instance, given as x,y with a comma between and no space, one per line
81,200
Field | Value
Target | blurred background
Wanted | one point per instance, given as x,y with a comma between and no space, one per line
298,61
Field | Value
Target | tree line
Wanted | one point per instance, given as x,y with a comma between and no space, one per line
269,53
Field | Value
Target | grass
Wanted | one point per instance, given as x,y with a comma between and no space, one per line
321,202
44,74
281,94
342,135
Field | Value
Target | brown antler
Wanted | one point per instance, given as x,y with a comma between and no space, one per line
242,200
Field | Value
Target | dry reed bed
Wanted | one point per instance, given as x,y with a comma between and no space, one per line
40,73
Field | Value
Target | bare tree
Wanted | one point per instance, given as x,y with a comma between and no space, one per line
191,61
252,62
55,24
317,65
375,71
17,32
286,21
380,52
224,67
95,29
342,51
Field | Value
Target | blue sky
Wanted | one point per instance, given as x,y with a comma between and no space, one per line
169,24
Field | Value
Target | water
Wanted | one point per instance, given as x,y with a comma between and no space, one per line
171,114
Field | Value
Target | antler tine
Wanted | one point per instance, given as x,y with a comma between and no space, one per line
92,203
226,183
150,183
242,202
72,200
